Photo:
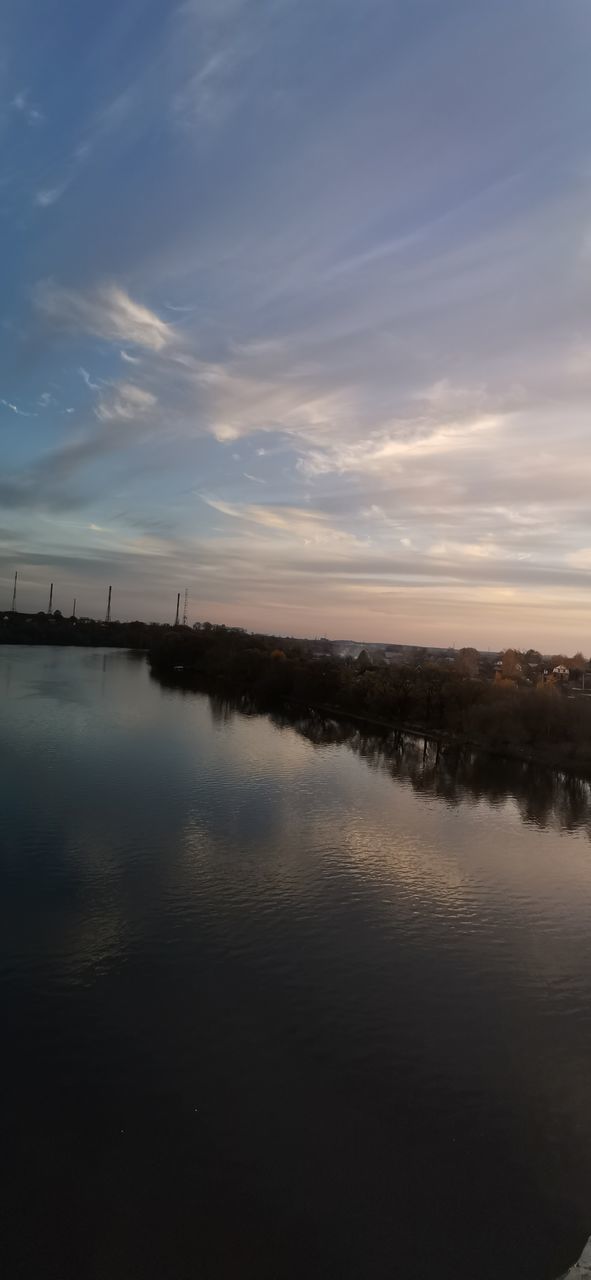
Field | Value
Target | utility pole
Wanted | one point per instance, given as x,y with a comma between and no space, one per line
50,605
13,609
178,609
185,623
108,613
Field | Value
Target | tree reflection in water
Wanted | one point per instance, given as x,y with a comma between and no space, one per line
543,796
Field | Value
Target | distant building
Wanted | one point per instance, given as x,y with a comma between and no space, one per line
561,672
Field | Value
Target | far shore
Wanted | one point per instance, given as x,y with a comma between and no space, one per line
444,741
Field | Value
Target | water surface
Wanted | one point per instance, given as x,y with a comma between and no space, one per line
281,1001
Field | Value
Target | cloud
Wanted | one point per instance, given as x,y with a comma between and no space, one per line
209,94
22,413
124,401
299,523
107,312
21,103
92,386
226,35
47,196
391,450
411,358
579,559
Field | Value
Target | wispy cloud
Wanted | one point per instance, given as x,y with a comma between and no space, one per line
107,312
170,306
25,107
124,401
92,386
47,196
22,413
208,92
311,527
241,261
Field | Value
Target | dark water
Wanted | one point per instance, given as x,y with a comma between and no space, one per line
279,1005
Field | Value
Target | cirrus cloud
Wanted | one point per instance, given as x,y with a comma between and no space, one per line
107,312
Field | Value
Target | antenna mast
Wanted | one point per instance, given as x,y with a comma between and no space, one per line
13,609
178,609
108,613
185,606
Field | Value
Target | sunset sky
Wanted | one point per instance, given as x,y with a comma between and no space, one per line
296,313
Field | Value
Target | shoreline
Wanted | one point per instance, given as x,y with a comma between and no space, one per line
446,741
458,742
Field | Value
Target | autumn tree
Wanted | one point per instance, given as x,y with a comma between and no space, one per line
511,664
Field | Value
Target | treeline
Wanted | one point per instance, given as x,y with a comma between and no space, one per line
534,722
53,628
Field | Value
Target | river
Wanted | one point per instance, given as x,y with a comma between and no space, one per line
282,1000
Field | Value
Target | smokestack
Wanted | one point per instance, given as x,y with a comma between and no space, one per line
50,605
178,609
13,610
108,613
74,608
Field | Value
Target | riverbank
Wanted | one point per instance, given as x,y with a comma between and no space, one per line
535,725
443,741
446,742
79,633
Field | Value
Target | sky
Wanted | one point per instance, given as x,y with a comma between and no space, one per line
296,314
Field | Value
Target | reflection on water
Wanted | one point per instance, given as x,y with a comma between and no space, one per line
282,998
543,796
549,798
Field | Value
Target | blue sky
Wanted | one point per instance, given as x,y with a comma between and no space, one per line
296,313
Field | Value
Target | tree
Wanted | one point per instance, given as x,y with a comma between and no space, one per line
511,668
467,662
363,661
